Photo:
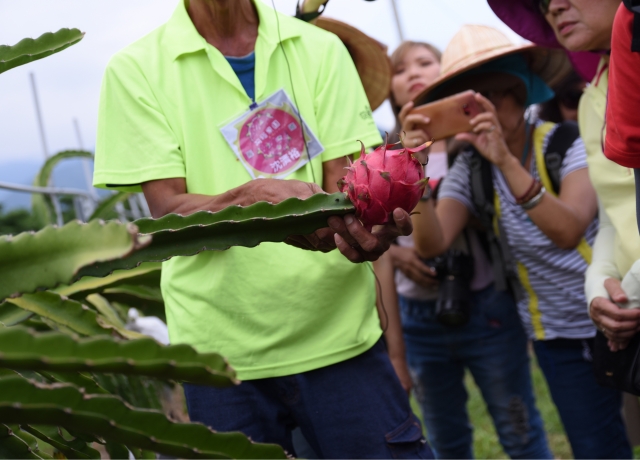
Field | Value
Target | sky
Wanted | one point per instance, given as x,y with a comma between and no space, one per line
68,83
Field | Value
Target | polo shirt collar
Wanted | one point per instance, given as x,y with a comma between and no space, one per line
181,36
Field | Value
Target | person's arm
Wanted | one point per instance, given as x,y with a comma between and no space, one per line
332,172
436,227
167,196
387,303
603,264
602,289
170,195
563,219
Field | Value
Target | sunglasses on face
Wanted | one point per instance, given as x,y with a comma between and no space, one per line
543,5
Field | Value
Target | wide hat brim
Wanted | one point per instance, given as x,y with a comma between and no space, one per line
549,64
524,18
369,56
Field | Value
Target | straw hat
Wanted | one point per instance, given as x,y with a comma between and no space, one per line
369,56
475,45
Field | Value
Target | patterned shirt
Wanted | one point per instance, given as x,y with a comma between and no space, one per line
554,305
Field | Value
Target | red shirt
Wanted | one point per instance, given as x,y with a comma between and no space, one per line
622,143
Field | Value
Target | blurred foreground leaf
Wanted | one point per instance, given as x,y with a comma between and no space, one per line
26,402
53,256
22,348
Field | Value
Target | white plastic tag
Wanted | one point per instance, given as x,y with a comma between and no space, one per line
268,139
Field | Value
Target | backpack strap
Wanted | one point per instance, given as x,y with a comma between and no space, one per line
549,163
559,143
487,205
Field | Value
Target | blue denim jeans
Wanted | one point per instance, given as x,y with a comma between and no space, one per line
353,409
493,346
591,414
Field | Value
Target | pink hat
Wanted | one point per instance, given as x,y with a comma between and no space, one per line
525,19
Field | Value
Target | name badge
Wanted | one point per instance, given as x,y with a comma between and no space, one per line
271,140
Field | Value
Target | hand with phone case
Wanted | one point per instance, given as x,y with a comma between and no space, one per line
413,127
446,117
486,134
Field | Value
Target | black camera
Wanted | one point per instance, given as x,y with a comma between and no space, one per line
454,270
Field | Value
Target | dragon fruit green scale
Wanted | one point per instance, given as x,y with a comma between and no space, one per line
383,180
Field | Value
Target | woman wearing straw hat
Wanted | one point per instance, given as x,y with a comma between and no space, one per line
438,354
584,28
542,234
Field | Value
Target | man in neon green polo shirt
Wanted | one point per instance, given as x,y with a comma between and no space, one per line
203,113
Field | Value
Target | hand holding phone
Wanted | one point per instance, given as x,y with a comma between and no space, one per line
449,116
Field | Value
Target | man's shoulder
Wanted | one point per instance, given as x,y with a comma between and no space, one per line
140,51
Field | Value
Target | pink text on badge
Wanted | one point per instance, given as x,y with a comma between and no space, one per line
271,141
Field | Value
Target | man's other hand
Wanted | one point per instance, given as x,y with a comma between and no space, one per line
358,244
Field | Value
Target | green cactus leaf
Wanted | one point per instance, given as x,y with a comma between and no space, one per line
105,209
29,49
14,444
139,392
52,256
41,205
175,235
53,326
75,316
145,275
106,310
139,453
37,323
117,450
10,315
72,317
44,175
26,402
143,297
51,435
23,349
84,381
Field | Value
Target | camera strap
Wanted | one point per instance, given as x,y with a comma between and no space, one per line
506,278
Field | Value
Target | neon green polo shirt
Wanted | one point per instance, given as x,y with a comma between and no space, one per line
272,310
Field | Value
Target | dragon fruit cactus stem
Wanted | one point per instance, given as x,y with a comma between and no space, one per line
383,180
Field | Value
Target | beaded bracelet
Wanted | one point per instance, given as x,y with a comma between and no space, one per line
535,201
522,198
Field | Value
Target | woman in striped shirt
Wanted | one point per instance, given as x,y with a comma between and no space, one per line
547,234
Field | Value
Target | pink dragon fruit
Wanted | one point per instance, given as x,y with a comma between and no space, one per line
382,181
